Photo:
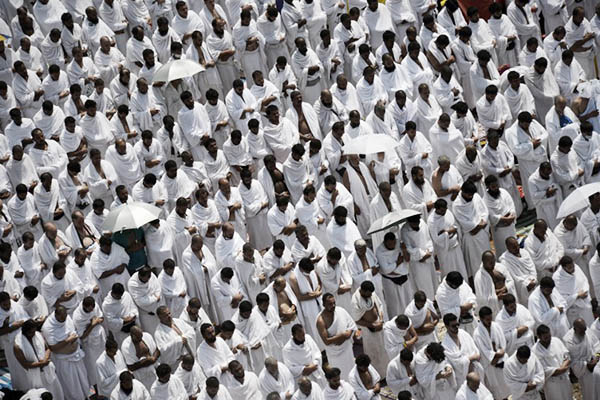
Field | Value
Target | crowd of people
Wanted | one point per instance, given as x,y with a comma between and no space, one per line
261,277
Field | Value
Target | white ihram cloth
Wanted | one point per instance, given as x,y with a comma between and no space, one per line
34,351
416,198
172,286
297,356
300,64
173,389
465,393
195,124
101,262
519,100
373,342
458,355
147,297
450,301
138,392
333,277
489,343
283,385
509,325
469,215
362,194
486,290
310,308
411,152
447,247
418,316
545,254
15,314
343,236
108,372
569,286
69,367
170,343
193,381
426,371
198,274
115,311
146,375
250,60
581,351
517,376
52,289
418,244
547,314
340,356
93,344
213,359
544,89
556,387
546,207
223,293
127,166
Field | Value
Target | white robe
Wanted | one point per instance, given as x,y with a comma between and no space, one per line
546,207
489,343
509,325
447,247
70,368
173,389
170,343
198,274
223,293
115,311
545,254
146,375
108,372
543,313
93,344
458,355
517,376
450,301
418,244
147,297
193,381
101,262
426,371
469,215
556,387
373,341
522,270
485,287
569,286
172,286
213,359
139,392
581,351
45,377
296,357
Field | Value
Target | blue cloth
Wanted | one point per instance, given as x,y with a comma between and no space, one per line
564,121
132,240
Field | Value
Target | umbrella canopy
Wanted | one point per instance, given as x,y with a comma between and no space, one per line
369,144
577,200
130,216
177,69
392,219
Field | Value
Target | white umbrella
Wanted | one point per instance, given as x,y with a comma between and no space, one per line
130,216
369,144
392,219
578,199
177,69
